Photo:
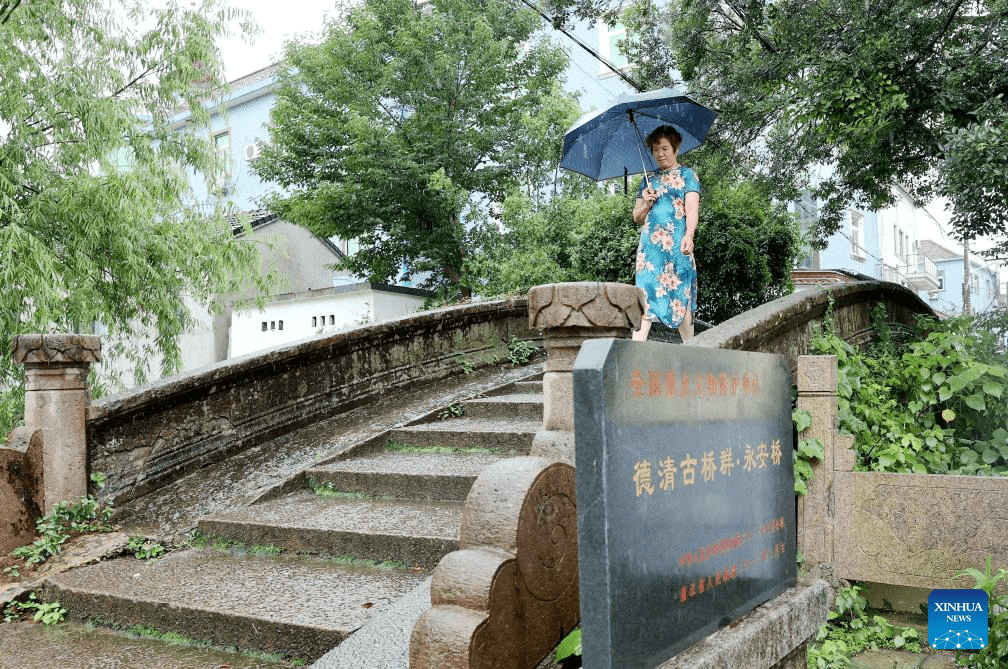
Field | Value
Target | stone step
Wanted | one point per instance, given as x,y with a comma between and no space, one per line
291,604
512,436
77,646
517,406
446,476
528,387
417,533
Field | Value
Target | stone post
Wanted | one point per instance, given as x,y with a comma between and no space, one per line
817,379
568,314
56,402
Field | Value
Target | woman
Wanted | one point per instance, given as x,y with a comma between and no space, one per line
667,207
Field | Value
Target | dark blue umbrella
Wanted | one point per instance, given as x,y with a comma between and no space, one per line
610,143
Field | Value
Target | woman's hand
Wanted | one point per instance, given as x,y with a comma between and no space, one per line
642,205
687,245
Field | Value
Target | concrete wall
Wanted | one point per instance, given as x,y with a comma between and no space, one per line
147,437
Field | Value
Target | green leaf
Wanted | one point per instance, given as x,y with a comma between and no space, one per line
993,388
975,402
571,645
990,456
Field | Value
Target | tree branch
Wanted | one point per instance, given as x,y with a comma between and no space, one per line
759,36
934,39
7,9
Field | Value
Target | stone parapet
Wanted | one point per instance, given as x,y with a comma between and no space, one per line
147,437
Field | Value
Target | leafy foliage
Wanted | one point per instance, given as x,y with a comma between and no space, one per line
850,630
47,613
409,121
995,654
520,351
55,527
931,403
901,92
98,222
143,549
809,451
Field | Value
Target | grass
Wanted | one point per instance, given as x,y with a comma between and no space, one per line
396,446
174,638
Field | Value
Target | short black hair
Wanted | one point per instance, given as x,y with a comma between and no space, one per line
664,132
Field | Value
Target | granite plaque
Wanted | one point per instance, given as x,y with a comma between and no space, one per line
685,494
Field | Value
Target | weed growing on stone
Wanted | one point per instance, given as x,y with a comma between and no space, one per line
466,363
143,549
47,613
520,351
808,452
329,490
167,636
849,630
56,527
451,411
395,446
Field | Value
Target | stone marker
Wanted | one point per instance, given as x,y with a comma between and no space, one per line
686,507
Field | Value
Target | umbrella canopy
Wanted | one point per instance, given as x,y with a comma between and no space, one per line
602,144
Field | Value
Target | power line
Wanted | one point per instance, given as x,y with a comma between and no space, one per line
595,54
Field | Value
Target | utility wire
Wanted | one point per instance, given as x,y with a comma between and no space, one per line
595,54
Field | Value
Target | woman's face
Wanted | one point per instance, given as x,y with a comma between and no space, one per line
663,153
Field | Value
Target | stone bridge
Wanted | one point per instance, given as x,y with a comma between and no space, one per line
337,411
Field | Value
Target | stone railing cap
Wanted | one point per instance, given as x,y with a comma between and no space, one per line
585,304
50,348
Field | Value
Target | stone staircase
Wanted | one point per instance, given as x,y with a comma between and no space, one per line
298,566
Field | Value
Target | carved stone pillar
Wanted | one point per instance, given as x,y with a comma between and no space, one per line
56,402
568,314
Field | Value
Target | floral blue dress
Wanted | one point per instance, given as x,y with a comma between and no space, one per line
668,277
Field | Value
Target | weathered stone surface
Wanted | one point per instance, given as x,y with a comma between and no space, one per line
56,401
512,588
146,438
786,325
585,304
22,487
773,635
55,348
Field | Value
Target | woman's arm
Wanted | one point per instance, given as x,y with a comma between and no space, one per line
642,205
692,215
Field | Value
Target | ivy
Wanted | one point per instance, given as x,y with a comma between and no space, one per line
927,400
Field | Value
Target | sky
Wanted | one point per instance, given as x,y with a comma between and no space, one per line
278,21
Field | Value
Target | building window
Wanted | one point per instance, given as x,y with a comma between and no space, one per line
857,234
314,321
941,279
222,144
609,41
272,325
264,326
279,325
332,319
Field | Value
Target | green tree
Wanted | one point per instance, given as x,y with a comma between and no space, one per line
406,120
97,218
901,92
